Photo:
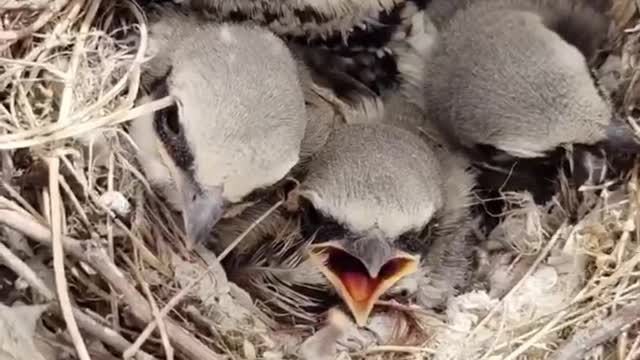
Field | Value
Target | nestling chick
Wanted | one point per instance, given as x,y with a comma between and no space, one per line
239,123
513,75
375,201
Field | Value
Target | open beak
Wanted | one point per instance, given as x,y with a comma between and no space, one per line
354,282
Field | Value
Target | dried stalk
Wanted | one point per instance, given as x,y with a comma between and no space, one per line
96,257
180,295
586,339
85,321
58,261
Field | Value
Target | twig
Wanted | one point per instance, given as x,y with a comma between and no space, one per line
25,272
114,301
42,20
56,131
580,343
503,320
162,328
543,254
397,349
54,186
43,49
85,321
247,231
58,260
25,205
97,258
70,76
634,350
156,313
182,293
139,244
23,4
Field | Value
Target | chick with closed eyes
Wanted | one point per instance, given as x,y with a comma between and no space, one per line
509,83
512,74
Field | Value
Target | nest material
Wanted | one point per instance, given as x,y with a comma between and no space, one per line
82,231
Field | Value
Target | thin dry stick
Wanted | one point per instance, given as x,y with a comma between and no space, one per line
57,131
132,75
111,247
549,327
622,345
398,349
498,335
42,20
543,254
74,201
43,49
54,191
25,272
556,328
156,314
182,293
95,256
634,350
106,335
586,339
70,76
154,306
25,205
58,261
622,271
140,245
22,4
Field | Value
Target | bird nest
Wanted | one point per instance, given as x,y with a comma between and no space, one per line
92,262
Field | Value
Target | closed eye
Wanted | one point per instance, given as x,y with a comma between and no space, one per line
169,129
169,117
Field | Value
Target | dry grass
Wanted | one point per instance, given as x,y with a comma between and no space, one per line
114,255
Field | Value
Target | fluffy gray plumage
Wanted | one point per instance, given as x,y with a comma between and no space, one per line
311,18
382,182
242,124
248,111
513,74
375,177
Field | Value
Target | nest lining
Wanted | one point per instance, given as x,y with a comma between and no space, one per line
70,185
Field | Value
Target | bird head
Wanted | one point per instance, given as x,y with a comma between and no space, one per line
239,115
370,185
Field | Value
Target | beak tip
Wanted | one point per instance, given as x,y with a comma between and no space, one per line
361,319
197,235
199,221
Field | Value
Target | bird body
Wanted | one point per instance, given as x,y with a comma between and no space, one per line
391,191
250,111
384,201
505,74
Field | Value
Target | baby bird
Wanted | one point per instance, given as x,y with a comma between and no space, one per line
512,76
239,123
251,110
381,205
